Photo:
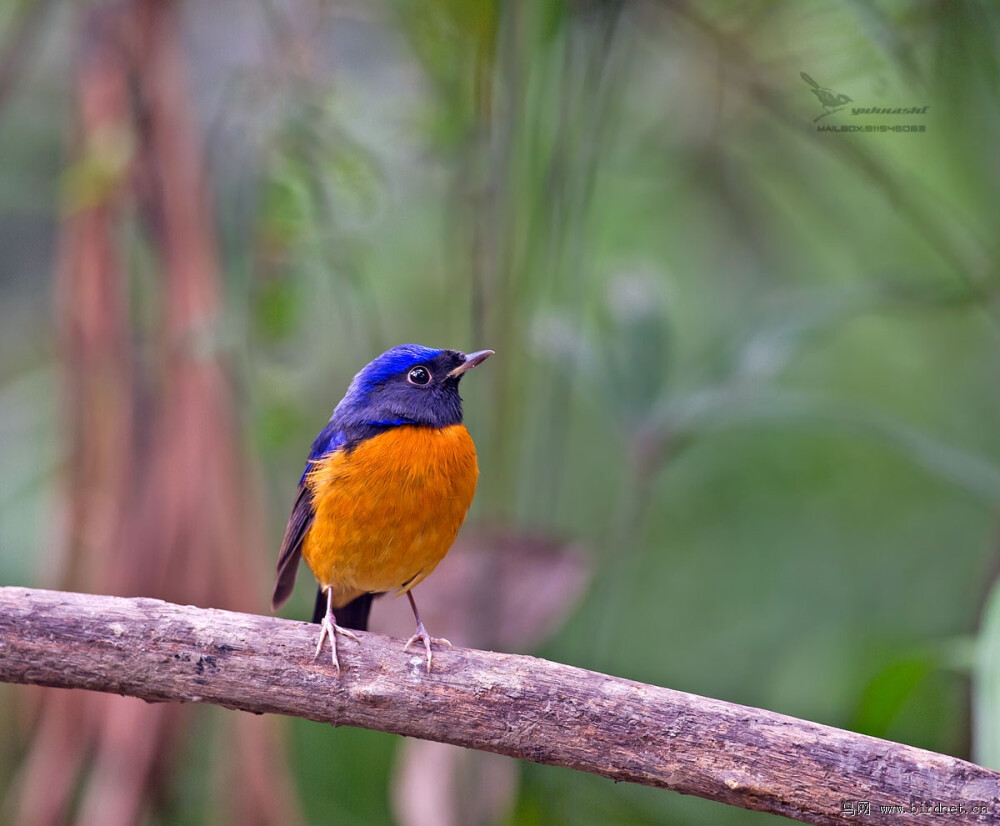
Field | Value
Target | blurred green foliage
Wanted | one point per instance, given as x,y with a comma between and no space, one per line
753,366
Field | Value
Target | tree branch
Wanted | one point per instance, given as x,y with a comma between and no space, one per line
514,705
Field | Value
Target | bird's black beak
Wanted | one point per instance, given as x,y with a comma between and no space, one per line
471,360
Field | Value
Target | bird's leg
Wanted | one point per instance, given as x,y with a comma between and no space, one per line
422,633
329,628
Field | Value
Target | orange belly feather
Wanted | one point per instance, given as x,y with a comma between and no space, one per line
387,511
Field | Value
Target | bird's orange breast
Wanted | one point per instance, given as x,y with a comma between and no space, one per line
387,511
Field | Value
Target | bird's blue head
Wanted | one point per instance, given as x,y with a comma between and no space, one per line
408,384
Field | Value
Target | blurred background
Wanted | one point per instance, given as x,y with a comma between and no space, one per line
739,438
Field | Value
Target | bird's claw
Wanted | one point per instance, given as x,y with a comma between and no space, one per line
427,640
328,628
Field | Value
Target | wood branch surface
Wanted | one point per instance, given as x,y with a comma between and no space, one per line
515,705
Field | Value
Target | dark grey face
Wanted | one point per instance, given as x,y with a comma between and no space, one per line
411,387
423,393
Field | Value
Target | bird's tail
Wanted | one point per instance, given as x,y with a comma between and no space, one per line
809,80
354,615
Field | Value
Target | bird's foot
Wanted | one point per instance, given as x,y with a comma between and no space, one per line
427,640
328,628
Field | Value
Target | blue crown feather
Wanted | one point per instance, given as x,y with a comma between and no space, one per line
393,362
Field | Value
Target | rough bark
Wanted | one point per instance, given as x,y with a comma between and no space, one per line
515,705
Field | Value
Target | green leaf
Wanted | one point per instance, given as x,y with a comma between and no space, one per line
986,686
742,403
889,690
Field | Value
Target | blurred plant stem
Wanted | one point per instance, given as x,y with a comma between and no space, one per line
624,548
986,684
526,191
20,43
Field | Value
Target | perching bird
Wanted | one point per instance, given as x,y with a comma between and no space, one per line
386,487
831,100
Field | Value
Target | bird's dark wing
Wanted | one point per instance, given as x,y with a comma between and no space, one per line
330,438
291,546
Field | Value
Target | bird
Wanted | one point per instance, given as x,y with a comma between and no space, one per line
830,100
386,487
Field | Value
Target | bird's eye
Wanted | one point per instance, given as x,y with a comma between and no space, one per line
418,375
